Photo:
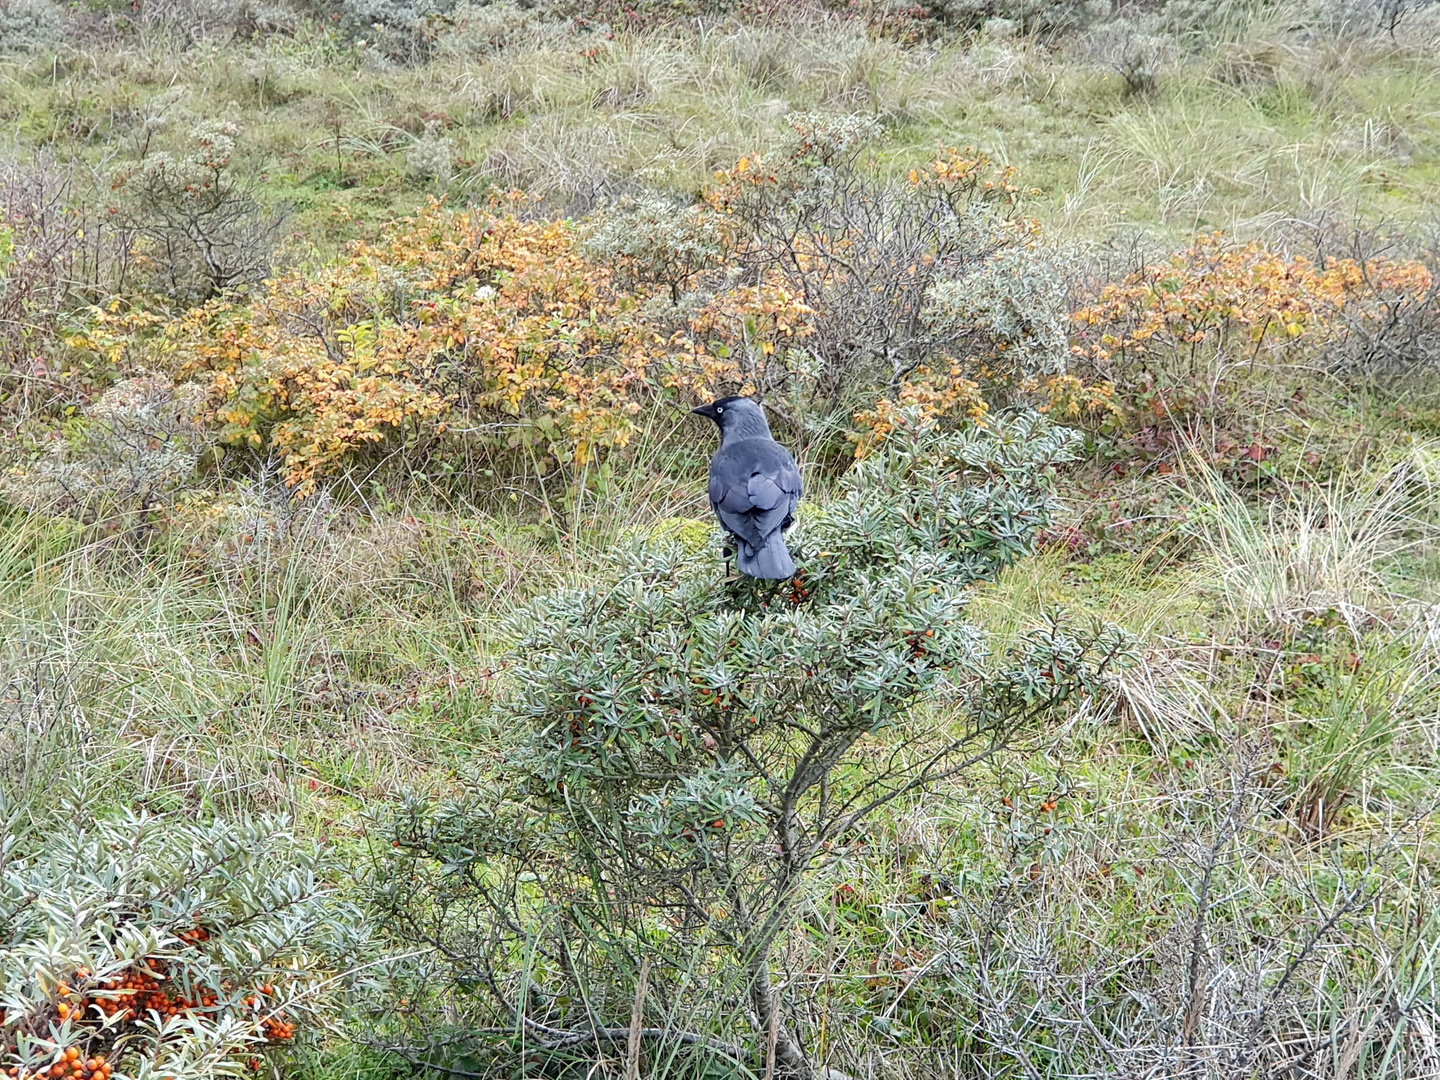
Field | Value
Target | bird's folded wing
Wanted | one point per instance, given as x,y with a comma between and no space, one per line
752,509
787,490
741,517
754,490
765,491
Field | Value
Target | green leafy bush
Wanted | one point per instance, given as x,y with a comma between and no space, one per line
689,749
1020,301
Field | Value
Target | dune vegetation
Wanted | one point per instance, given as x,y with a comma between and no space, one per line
374,701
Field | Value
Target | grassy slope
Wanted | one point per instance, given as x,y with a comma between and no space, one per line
1246,132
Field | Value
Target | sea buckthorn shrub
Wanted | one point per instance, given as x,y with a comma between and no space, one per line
1042,17
30,25
1136,55
197,229
688,750
657,241
432,155
158,945
400,31
1019,300
727,332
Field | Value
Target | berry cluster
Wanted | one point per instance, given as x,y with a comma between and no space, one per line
919,642
105,1009
140,992
70,1067
274,1025
799,589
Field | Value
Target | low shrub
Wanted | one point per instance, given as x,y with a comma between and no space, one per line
28,26
55,255
543,340
1228,965
1388,337
122,457
690,750
1178,342
475,316
159,945
493,331
432,156
1137,56
872,260
1232,300
401,31
1044,17
186,23
657,242
1014,312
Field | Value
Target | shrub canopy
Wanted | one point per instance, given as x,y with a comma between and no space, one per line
690,748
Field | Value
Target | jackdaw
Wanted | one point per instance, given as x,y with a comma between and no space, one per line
754,487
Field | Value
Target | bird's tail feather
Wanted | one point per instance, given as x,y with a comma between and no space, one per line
773,561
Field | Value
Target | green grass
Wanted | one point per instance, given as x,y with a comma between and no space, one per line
330,672
1245,134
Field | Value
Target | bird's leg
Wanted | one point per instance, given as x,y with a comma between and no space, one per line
728,551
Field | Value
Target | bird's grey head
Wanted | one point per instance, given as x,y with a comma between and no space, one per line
738,418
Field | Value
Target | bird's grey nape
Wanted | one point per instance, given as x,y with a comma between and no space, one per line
737,418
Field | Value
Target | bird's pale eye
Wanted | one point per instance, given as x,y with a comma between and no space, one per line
719,410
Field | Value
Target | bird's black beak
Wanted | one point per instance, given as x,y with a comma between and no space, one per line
705,410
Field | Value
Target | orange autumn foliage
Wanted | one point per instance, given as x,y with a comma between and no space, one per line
1070,399
1214,299
475,321
925,396
1174,342
739,342
1214,294
450,313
